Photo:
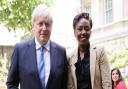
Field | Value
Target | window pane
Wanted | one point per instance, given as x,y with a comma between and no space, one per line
108,11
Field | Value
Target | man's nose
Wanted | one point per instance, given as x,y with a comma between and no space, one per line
43,26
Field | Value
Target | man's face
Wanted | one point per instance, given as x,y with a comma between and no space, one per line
82,32
42,28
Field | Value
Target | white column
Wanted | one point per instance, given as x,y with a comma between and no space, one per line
125,8
63,14
95,13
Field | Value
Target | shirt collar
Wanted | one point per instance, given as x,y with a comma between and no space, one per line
38,45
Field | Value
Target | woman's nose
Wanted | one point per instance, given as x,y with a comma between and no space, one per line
83,31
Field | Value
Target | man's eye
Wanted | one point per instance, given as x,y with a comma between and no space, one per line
47,24
40,24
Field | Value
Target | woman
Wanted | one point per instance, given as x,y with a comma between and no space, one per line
88,66
117,80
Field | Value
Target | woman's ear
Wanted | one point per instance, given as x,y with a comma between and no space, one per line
75,33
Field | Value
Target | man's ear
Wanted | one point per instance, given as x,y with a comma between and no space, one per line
32,26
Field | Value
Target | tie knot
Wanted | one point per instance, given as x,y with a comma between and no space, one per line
42,48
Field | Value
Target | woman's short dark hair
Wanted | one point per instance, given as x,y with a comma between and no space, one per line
80,16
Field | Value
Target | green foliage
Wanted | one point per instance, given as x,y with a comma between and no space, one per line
17,13
119,58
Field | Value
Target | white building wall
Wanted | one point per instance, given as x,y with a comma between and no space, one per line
95,13
113,35
63,14
125,10
101,12
117,10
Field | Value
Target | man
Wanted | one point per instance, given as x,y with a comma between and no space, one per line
26,70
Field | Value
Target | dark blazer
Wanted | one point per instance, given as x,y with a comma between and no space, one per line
23,69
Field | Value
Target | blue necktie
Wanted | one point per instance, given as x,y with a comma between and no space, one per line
41,68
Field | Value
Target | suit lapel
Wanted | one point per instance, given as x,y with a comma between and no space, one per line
73,68
31,55
92,64
53,57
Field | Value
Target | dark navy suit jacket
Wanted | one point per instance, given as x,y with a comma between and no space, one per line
23,69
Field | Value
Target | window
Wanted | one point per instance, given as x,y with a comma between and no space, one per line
108,11
86,6
88,9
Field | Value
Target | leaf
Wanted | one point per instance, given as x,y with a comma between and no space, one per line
17,13
119,58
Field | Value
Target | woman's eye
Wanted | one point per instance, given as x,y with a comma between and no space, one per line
86,29
79,29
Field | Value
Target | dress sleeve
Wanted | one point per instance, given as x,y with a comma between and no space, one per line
121,85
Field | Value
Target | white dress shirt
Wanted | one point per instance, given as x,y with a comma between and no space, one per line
46,57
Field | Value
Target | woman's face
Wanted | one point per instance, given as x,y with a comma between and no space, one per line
115,76
82,31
